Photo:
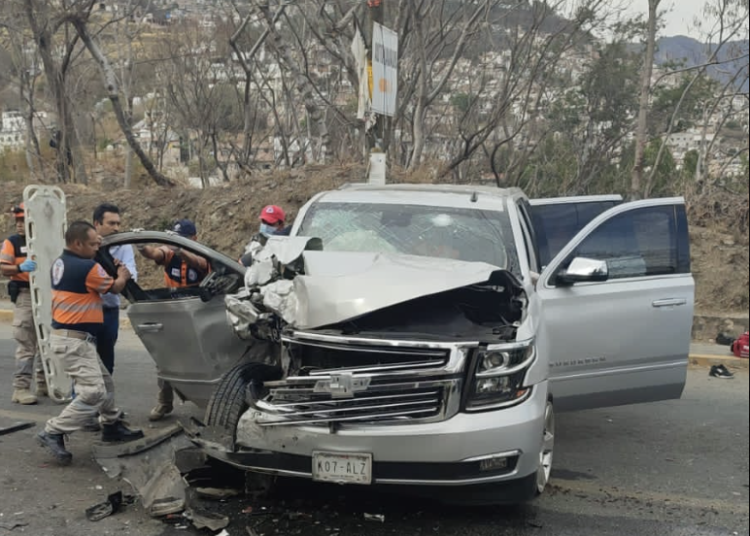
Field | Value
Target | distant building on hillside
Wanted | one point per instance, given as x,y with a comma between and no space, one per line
13,129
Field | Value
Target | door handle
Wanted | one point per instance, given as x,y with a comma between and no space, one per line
669,302
151,327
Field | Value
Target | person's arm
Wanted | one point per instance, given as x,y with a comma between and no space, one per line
196,262
8,265
99,281
123,276
157,254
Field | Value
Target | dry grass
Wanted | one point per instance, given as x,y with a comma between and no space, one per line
719,248
227,216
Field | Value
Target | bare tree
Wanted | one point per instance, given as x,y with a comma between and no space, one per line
246,60
57,47
303,83
25,66
449,36
641,132
111,83
534,40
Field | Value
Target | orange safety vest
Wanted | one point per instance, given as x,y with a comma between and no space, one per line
77,286
177,273
13,252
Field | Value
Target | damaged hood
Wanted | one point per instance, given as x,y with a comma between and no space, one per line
340,286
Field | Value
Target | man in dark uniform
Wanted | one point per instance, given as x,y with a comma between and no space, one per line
77,318
15,265
182,269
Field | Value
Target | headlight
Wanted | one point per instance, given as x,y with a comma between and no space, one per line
495,360
497,378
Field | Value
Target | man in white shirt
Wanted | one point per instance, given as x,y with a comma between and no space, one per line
107,222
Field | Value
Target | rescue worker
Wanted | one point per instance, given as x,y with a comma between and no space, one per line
77,319
15,264
182,269
272,219
107,222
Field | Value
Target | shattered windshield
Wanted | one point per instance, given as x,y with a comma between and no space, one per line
446,232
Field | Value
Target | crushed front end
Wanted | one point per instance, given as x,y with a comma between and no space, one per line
427,384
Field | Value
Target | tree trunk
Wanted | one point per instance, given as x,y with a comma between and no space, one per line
641,135
418,134
221,165
303,84
110,82
66,141
33,152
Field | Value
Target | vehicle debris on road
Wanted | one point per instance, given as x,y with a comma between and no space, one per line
112,505
205,519
149,466
16,427
375,517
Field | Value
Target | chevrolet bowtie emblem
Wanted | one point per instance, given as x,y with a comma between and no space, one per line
342,385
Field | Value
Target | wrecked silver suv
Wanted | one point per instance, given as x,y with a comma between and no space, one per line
424,335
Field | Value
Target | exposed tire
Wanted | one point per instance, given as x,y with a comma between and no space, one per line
547,449
229,400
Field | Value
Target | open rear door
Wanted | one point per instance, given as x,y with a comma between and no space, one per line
45,239
618,306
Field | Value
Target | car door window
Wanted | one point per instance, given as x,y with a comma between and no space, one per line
557,224
638,243
152,281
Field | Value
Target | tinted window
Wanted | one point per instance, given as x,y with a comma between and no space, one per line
464,234
635,244
556,225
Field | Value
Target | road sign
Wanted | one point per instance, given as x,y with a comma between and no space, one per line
384,70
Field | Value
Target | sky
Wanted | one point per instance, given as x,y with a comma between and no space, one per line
678,15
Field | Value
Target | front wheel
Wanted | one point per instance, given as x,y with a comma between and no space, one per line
229,400
546,450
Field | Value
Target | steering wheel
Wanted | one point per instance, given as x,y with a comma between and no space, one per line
219,282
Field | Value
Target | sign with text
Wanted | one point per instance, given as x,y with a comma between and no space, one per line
384,70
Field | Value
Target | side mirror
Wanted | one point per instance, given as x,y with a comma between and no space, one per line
583,270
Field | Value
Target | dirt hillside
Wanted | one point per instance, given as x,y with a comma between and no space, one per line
226,216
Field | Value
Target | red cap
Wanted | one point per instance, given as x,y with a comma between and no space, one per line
18,211
272,214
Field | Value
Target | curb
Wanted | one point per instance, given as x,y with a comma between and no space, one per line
694,360
702,360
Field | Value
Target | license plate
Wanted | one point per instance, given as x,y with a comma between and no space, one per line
342,468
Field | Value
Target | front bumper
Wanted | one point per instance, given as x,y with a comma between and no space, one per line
446,453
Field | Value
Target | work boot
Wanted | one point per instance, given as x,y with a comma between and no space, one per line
56,444
118,432
23,397
160,411
41,390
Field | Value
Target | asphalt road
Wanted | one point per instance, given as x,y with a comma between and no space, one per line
677,468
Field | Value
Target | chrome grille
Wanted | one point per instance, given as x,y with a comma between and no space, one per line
371,406
377,381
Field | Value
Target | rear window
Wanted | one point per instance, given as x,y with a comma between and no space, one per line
557,224
463,234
